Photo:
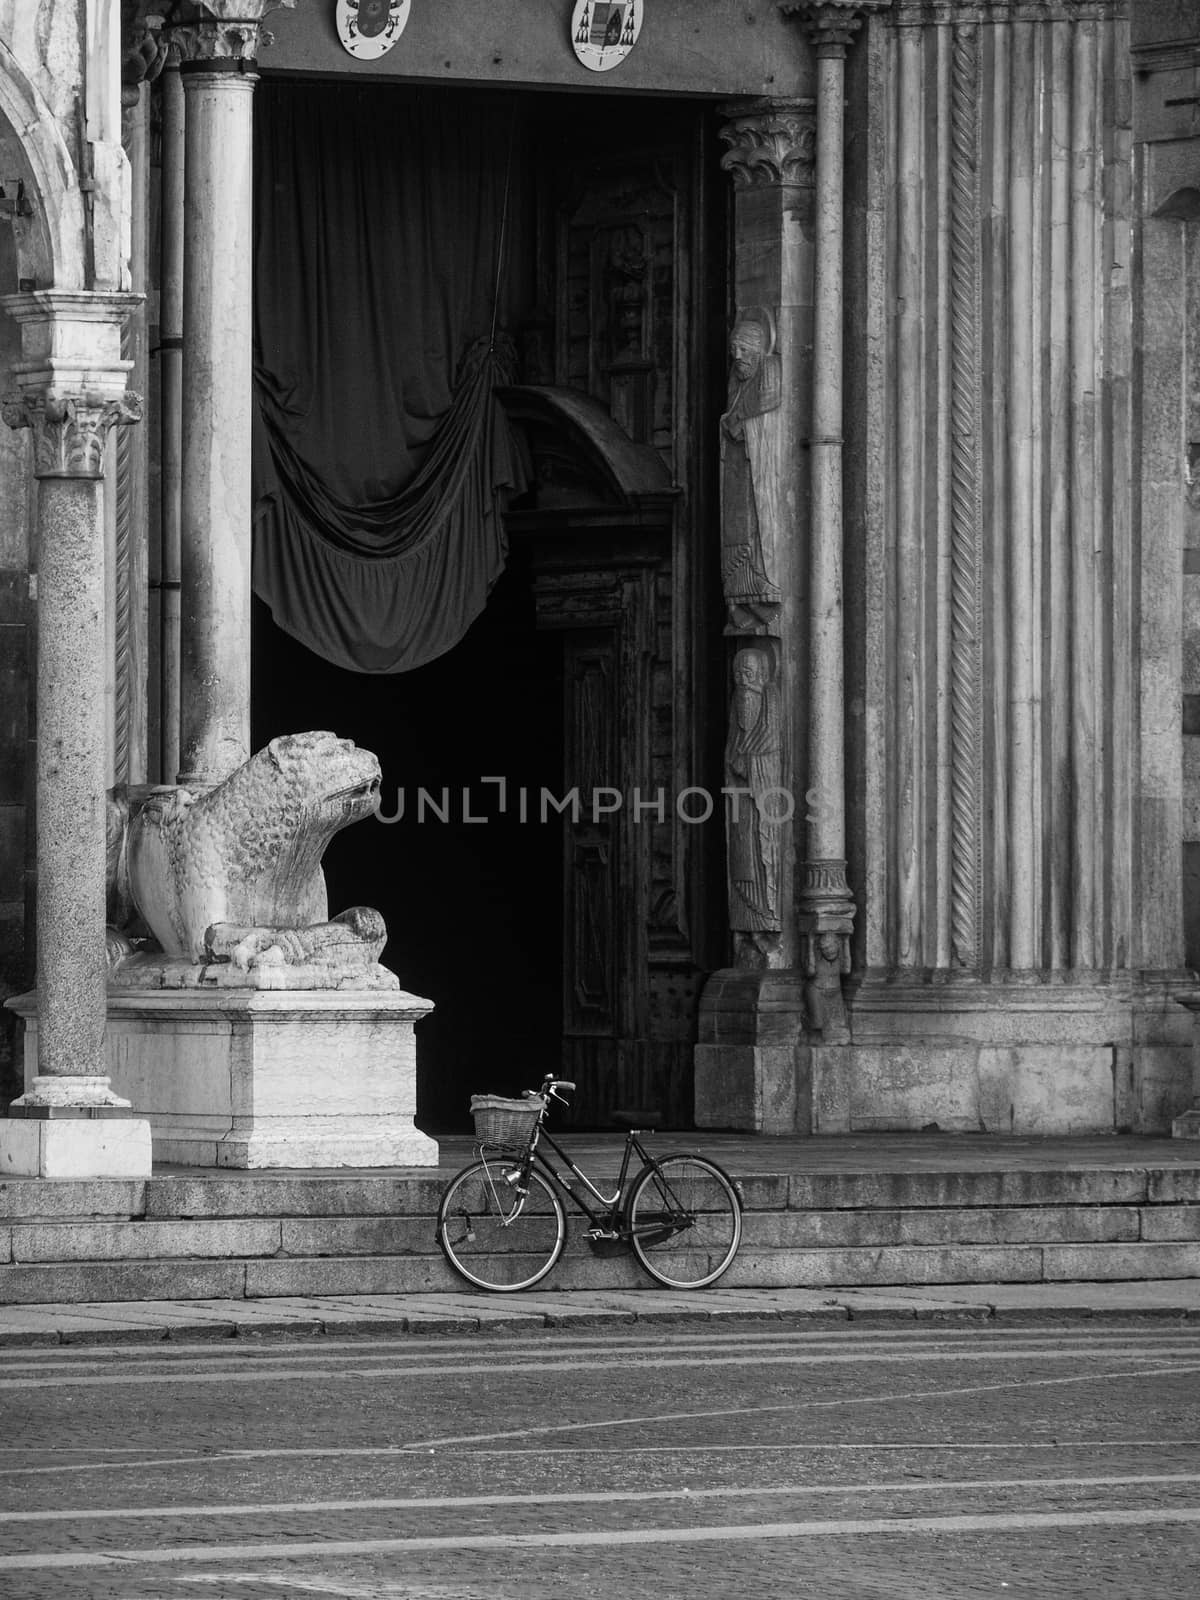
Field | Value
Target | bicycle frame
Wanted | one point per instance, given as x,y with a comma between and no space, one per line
609,1219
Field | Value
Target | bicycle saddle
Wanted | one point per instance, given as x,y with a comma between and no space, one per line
637,1119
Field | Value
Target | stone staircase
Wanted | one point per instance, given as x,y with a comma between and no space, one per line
179,1236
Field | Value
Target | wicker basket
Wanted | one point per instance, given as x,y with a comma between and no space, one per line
506,1122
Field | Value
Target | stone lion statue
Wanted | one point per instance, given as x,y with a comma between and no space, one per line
231,876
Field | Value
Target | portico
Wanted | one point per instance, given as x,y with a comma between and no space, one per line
849,493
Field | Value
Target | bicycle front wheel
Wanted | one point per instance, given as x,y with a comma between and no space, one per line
684,1220
497,1233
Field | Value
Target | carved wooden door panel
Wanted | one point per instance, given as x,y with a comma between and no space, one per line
591,847
606,620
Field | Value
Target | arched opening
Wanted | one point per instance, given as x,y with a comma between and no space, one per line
552,932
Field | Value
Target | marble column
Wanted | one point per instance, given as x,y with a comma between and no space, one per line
72,390
217,62
171,411
825,904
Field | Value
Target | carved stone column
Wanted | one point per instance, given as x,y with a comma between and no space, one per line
217,51
72,389
170,311
752,1013
825,908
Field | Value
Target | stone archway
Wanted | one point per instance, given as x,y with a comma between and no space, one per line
49,234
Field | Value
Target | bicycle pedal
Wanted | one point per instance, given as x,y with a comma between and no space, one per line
604,1244
599,1235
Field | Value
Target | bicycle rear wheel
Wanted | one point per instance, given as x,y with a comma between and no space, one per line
685,1220
496,1234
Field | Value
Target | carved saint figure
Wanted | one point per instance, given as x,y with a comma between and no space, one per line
752,461
754,765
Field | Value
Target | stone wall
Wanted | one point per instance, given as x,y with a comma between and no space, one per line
1015,659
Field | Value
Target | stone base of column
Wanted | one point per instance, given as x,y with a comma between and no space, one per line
749,1072
270,1078
71,1127
55,1144
1187,1126
1018,1057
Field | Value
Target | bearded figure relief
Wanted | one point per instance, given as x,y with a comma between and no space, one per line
751,462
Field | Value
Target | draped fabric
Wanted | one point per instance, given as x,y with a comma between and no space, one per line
381,455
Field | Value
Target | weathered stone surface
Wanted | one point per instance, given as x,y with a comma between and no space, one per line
1171,1222
246,1078
930,1226
294,1196
1174,1185
64,1283
33,1198
361,1236
352,1275
900,1264
1100,1261
77,1148
1013,1187
124,1241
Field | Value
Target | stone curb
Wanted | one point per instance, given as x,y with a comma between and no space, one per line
181,1322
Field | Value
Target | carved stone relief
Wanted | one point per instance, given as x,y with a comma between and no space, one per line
754,798
752,478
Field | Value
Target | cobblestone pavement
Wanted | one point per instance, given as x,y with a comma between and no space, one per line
917,1461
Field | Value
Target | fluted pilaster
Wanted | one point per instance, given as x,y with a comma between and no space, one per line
1004,698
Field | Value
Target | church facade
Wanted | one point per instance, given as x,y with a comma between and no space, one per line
733,466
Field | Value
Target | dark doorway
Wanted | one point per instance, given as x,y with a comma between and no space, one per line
573,944
473,908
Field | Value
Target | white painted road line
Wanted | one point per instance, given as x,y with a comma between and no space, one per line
617,1361
859,1527
602,1497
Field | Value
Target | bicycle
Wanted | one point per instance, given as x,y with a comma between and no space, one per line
501,1223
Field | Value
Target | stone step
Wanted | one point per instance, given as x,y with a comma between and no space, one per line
66,1283
415,1193
181,1235
23,1243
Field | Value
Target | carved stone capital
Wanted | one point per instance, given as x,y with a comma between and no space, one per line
831,24
71,378
69,434
143,54
220,32
770,142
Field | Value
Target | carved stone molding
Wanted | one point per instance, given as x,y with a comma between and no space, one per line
966,555
919,13
771,142
69,434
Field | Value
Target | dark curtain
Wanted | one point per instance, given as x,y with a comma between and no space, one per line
381,456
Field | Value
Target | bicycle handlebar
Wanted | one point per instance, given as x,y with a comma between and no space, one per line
551,1086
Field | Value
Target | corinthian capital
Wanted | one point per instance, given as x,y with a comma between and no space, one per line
69,434
222,30
770,142
831,24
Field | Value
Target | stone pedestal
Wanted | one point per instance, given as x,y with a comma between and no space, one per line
268,1078
749,1069
1187,1125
